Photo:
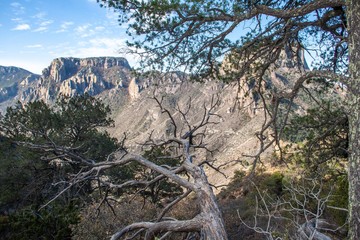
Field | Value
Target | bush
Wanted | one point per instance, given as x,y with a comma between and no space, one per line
52,222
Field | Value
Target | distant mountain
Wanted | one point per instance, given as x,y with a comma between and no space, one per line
11,75
10,78
64,76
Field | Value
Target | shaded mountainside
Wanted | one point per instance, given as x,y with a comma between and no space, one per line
12,75
10,80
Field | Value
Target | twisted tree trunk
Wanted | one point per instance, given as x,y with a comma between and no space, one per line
212,224
212,221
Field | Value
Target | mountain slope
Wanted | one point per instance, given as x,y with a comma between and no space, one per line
137,114
10,80
12,75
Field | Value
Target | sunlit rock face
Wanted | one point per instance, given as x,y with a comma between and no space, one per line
279,76
71,76
110,77
67,77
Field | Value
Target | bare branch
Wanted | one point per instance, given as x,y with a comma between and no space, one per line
153,228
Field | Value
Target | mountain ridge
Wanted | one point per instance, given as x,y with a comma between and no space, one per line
67,76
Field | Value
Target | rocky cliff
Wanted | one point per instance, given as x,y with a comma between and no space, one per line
71,76
109,77
65,76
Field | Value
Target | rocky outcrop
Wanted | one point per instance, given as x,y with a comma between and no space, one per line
65,76
71,76
8,92
134,89
108,76
112,75
61,69
279,76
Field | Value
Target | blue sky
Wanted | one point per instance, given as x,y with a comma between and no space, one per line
34,32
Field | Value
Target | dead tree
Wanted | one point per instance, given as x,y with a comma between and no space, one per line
184,142
294,211
208,222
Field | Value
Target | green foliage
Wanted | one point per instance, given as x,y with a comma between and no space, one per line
240,196
340,199
321,134
81,115
326,120
41,145
38,134
25,180
255,195
72,122
53,222
274,183
197,34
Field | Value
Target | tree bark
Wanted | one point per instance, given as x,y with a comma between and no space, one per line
353,17
213,225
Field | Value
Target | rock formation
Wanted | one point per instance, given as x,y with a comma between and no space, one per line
64,76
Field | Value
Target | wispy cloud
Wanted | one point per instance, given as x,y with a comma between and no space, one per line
43,26
64,27
34,46
17,20
40,29
99,28
112,16
92,48
46,23
83,30
22,27
40,15
88,30
42,22
17,8
109,43
21,24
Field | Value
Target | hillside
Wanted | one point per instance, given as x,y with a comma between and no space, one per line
11,79
236,135
137,114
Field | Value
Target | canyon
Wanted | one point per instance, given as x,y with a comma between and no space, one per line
137,114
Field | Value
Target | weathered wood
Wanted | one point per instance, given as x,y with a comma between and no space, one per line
209,222
353,17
